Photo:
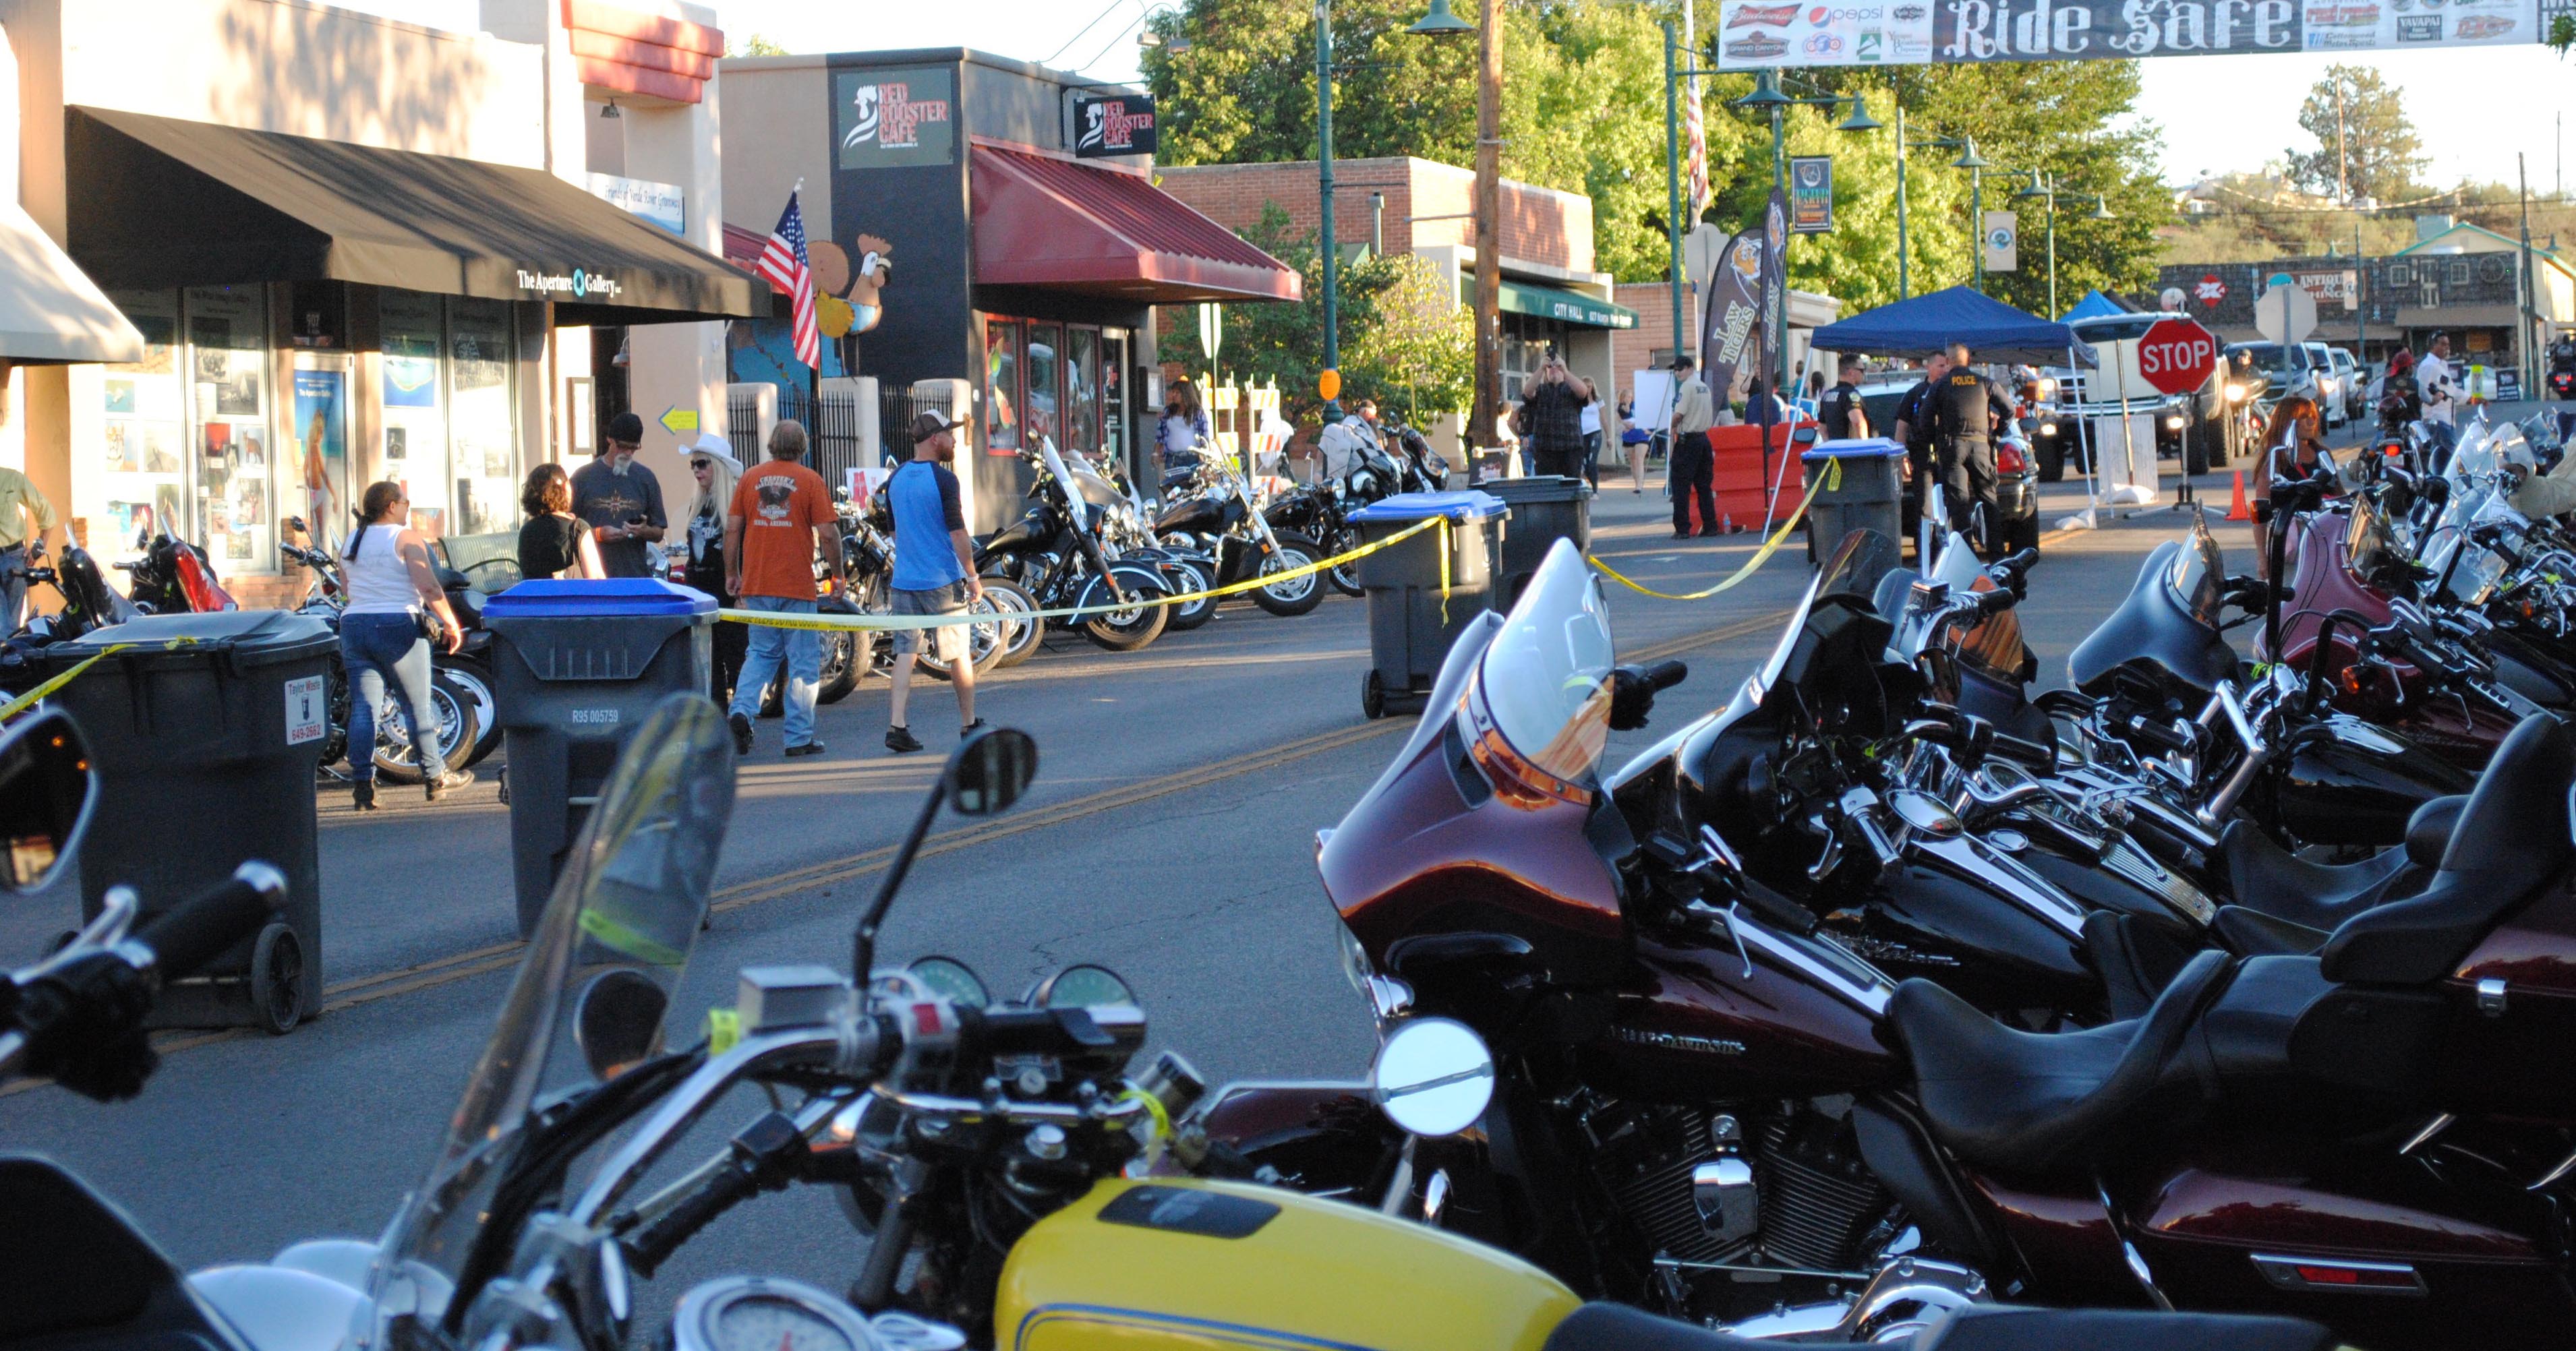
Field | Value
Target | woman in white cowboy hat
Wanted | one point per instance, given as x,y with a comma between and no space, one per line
712,462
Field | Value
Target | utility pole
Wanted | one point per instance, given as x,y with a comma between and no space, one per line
1673,179
1324,199
2343,161
1489,211
2524,332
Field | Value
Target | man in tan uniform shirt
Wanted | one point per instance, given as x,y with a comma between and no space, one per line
24,515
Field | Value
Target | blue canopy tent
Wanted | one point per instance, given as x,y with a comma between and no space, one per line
1993,330
2096,305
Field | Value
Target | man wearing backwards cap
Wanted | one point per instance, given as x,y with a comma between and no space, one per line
934,572
621,503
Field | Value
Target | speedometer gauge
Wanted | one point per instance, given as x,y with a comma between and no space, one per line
757,1313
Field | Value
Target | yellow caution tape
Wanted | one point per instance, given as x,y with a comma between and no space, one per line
724,1030
21,704
1831,478
870,622
1153,1108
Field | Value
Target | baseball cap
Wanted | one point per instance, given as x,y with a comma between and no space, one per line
626,427
928,425
1683,363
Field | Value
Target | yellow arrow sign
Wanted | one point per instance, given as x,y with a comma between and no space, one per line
677,420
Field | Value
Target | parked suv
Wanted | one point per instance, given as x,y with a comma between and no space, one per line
2356,382
2334,388
2192,426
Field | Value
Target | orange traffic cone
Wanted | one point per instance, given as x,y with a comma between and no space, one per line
2240,509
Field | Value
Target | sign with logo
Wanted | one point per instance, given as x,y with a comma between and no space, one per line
1120,124
2002,241
577,285
1754,33
661,203
1731,313
1811,195
305,710
2209,290
889,118
2175,355
2341,288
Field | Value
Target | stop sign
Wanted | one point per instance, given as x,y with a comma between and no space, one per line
2175,355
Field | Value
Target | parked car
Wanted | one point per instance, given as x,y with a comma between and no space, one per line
2016,492
2334,388
2356,384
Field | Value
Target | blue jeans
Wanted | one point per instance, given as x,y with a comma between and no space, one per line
373,646
799,650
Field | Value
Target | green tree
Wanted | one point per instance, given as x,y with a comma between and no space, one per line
1417,354
2366,145
757,45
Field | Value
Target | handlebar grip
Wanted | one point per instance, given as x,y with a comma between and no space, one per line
2017,562
1995,602
198,931
1663,675
2029,753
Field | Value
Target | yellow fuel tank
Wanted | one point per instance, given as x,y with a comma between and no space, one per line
1177,1264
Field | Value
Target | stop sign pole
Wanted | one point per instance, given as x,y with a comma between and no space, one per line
2176,355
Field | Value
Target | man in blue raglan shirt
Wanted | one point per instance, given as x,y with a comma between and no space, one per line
934,571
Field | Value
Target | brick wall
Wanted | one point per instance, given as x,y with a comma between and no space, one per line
1538,225
1634,349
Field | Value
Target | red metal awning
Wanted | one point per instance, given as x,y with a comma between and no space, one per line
1071,227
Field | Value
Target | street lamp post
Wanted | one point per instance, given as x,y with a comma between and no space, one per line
1976,225
2041,186
1766,97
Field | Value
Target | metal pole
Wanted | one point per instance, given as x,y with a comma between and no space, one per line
2360,310
1489,197
1904,291
2052,251
1779,306
2524,332
1324,199
1673,180
1976,224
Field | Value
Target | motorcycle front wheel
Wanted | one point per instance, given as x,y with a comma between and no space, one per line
1130,629
1295,595
475,679
841,667
1188,576
984,642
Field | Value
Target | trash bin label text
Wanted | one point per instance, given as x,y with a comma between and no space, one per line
594,717
304,710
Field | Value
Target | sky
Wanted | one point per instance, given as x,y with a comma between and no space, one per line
2475,108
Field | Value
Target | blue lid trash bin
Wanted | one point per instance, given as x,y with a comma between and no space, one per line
1863,497
576,666
1411,625
1545,508
206,732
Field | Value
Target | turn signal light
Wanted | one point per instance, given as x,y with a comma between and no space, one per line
2009,459
2352,679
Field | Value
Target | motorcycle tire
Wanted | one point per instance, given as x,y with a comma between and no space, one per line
984,643
841,667
1128,630
1020,637
1189,578
1297,596
475,678
1345,577
458,725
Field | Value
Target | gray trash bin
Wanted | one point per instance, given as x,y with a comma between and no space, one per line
1545,508
1866,498
206,731
575,667
1410,626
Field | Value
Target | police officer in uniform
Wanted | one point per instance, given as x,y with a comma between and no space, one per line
1966,410
1914,430
1839,407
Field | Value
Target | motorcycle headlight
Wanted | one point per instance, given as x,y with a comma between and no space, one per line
2048,429
1355,962
2235,392
2173,422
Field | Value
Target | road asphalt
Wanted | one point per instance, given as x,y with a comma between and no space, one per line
1169,836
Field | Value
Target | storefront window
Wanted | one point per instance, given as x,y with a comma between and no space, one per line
482,421
1082,386
1113,393
145,426
1045,377
1001,386
231,514
414,452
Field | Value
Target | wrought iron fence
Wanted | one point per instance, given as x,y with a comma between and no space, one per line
896,408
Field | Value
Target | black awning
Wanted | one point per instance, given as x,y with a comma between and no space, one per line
159,202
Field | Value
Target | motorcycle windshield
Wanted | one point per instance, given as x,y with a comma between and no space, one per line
1546,676
2195,579
591,996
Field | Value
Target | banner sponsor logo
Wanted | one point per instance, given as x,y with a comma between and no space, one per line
1752,16
2480,27
2419,28
1963,31
1760,47
1822,44
1811,195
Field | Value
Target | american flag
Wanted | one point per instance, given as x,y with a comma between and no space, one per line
784,265
1695,189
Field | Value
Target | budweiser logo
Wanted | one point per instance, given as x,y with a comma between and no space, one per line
1748,16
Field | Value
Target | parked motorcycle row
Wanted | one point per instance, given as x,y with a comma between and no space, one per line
2212,1002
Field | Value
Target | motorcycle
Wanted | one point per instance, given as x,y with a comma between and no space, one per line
1214,518
1054,554
173,577
867,556
89,603
983,1149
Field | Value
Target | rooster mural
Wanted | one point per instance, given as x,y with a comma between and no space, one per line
852,294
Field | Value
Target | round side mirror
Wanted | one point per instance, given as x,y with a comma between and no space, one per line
1433,1077
988,773
46,790
618,1020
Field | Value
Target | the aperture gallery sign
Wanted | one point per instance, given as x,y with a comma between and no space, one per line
1753,34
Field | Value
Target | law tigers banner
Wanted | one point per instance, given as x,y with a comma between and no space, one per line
1752,34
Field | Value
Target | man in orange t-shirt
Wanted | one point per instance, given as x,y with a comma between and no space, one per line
780,518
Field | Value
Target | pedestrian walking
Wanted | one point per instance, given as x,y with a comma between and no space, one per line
2438,381
1551,420
393,594
1183,429
1633,441
718,473
1690,471
25,517
780,519
1967,408
1592,443
622,503
552,541
934,574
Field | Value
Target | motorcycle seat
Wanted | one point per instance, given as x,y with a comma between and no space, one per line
2510,841
1978,1327
2263,876
2253,933
2023,1102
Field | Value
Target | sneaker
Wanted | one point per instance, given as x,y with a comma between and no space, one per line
365,797
901,741
809,748
970,729
741,733
447,783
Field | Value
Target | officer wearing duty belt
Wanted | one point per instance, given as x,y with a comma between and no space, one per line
1967,410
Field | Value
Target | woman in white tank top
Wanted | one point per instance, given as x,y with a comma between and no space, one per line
391,585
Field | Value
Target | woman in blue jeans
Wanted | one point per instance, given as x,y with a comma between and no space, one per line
392,588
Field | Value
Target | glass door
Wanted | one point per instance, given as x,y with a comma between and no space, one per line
318,444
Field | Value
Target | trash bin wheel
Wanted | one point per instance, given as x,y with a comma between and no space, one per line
1372,695
277,976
